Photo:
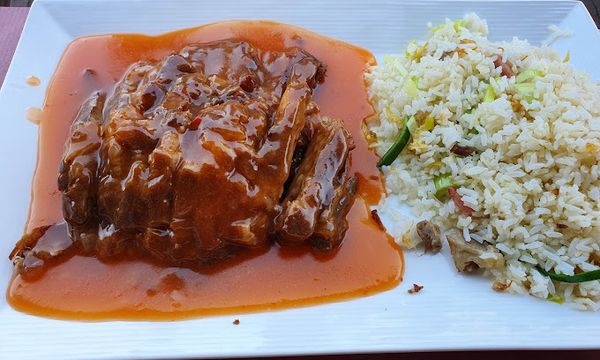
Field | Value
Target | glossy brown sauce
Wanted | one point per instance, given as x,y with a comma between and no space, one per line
85,288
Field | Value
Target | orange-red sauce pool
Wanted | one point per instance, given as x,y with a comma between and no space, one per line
85,288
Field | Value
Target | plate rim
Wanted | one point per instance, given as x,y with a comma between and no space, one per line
38,7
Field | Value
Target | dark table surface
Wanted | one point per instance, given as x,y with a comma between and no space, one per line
593,7
11,24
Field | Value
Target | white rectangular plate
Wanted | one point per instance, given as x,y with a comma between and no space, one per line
452,312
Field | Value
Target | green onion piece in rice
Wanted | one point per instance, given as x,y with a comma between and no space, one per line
490,94
557,299
412,42
528,75
572,279
526,90
417,53
437,28
441,183
398,145
401,69
412,125
458,24
390,60
416,81
428,124
410,87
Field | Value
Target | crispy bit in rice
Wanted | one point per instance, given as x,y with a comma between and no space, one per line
501,285
471,256
594,259
461,150
591,148
417,145
367,133
419,52
430,234
458,201
506,67
420,117
462,53
516,105
415,289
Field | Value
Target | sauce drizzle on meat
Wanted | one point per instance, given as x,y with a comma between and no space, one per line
186,161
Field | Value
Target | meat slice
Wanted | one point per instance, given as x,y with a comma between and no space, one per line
281,139
332,224
317,201
470,256
77,178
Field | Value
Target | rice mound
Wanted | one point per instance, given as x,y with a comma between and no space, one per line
533,181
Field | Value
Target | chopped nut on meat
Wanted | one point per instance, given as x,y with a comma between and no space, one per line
415,289
470,256
430,234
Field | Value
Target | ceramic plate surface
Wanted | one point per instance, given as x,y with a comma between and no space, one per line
453,311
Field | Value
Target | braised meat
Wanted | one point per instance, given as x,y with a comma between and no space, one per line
207,152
